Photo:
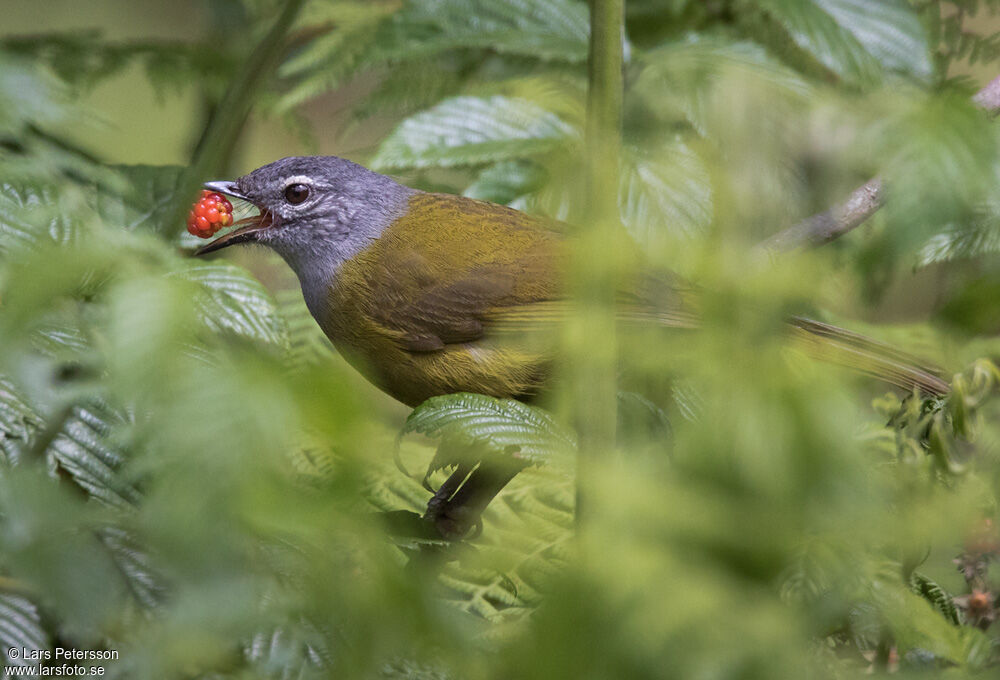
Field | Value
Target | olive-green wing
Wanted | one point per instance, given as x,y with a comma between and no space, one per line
453,264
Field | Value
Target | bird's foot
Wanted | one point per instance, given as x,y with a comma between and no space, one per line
456,508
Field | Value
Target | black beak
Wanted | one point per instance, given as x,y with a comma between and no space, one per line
245,234
227,188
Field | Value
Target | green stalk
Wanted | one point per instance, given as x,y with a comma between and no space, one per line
596,270
224,129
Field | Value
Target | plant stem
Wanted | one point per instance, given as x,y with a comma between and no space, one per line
593,342
225,126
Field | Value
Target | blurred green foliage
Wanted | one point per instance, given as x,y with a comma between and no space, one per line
191,477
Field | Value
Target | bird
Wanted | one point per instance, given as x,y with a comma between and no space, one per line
428,294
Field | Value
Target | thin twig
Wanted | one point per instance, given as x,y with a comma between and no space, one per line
862,203
15,587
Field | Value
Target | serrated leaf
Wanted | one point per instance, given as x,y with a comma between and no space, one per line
30,94
135,565
857,39
62,340
555,30
357,37
637,414
292,652
20,628
664,190
936,595
414,85
83,58
17,422
232,301
688,400
916,623
346,44
307,344
506,182
471,131
685,79
501,424
938,155
342,22
30,214
82,449
527,542
147,195
980,236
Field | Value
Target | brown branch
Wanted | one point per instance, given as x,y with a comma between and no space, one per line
862,203
833,223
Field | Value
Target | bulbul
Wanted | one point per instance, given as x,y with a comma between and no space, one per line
422,292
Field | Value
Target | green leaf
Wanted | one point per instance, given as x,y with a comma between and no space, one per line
502,425
346,43
664,190
526,542
135,566
963,241
307,344
689,400
529,534
147,197
552,30
688,79
414,85
356,37
82,447
916,623
17,422
83,450
640,419
83,58
30,214
30,95
20,629
857,39
505,182
936,595
232,301
938,155
297,650
473,130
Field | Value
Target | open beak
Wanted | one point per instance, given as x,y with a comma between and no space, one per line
248,227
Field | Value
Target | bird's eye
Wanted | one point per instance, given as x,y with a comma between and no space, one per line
296,193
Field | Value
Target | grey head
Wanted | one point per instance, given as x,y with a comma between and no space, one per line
315,211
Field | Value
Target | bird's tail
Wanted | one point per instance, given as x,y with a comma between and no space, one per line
857,352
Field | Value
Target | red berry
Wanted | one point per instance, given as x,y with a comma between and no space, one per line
979,600
211,212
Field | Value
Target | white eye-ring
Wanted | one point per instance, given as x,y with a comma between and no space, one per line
297,189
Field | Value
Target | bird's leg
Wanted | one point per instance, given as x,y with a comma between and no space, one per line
447,490
455,514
